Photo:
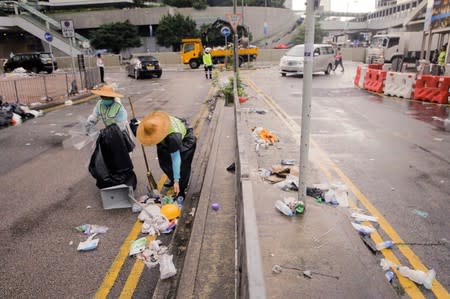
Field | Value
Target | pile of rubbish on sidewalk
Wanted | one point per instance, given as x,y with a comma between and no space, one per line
15,114
263,137
92,230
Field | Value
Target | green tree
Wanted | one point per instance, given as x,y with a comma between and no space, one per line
172,29
116,36
299,37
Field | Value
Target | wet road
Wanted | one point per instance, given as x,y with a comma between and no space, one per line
394,152
47,191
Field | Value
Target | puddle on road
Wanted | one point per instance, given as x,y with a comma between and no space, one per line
433,114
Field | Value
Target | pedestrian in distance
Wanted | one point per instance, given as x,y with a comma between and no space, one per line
441,59
338,60
207,62
101,67
175,145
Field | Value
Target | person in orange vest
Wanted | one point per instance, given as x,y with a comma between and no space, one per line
338,60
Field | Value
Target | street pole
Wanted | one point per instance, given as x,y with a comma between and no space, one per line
73,64
306,99
235,45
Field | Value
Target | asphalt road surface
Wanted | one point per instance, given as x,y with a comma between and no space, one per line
47,191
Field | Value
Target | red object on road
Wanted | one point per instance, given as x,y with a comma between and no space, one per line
281,46
243,100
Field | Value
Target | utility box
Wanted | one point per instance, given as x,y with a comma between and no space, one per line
117,197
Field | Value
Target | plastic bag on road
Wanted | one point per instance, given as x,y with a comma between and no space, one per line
79,137
166,266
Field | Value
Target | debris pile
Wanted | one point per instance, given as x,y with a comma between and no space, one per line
15,114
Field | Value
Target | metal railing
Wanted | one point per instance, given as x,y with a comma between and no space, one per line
42,89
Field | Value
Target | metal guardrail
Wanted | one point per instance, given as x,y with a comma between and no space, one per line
45,88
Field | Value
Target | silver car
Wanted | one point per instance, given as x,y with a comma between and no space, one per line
292,61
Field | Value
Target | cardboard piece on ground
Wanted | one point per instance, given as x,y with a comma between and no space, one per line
274,179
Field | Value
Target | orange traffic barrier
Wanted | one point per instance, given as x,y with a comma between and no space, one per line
375,66
444,85
374,80
358,75
426,88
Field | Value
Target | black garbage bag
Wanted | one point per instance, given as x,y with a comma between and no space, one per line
110,163
5,117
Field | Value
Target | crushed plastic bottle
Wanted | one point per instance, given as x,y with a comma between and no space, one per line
418,276
389,275
283,208
362,229
385,244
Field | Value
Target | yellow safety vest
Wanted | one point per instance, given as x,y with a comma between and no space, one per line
109,113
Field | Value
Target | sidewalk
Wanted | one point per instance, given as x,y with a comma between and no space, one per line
321,240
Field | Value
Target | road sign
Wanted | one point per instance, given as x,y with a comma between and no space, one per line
48,37
225,31
234,19
67,28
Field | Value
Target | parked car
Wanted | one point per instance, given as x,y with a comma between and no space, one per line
142,65
33,62
292,61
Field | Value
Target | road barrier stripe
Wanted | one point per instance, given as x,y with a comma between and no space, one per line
437,288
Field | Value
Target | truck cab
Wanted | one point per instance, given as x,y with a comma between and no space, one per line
191,52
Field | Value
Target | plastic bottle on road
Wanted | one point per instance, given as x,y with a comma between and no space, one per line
418,276
283,208
385,244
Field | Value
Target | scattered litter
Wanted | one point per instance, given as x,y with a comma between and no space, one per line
387,264
192,212
172,225
288,162
389,275
68,103
136,208
170,211
264,136
262,172
363,229
59,134
232,167
88,229
361,217
71,243
215,206
289,184
277,269
167,200
89,244
330,197
138,246
88,207
166,266
27,143
442,181
290,206
418,276
384,245
242,100
392,189
371,159
256,110
420,213
438,139
272,255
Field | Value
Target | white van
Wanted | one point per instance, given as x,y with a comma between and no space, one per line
292,61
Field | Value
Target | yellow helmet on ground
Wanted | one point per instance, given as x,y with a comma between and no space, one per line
171,211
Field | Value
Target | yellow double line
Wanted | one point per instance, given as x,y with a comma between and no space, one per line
324,163
138,267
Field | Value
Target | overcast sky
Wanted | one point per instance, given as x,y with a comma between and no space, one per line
341,5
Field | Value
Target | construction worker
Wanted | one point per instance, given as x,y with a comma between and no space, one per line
175,146
207,62
441,59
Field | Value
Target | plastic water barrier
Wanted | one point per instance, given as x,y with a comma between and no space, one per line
399,84
432,89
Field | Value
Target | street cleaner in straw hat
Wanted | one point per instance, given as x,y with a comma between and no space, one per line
175,144
110,163
109,109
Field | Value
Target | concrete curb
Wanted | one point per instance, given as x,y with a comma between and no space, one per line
251,280
75,101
